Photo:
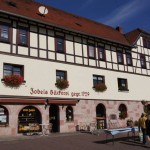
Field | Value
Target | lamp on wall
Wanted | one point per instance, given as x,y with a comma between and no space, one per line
46,103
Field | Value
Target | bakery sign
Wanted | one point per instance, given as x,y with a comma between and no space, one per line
58,92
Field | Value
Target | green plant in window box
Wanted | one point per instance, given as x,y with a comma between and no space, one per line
13,81
100,87
62,84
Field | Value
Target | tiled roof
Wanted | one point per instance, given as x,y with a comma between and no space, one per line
133,35
29,9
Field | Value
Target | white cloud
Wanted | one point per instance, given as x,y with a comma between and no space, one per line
85,4
123,13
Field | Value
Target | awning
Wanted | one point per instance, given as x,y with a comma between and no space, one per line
36,101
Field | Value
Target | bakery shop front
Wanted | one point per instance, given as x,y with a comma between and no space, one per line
28,117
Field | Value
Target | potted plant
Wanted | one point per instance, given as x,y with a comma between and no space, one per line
62,84
130,123
13,81
100,87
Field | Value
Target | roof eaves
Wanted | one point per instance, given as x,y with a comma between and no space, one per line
36,20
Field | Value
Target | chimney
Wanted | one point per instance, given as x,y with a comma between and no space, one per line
118,28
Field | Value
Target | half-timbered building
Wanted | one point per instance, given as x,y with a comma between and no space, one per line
63,69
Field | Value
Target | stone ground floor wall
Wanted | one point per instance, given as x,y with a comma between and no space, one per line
84,112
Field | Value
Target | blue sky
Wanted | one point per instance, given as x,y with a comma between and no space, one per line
129,14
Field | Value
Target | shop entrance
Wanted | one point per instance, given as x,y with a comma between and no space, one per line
28,116
101,116
54,117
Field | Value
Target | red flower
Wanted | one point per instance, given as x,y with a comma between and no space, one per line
13,80
62,84
100,87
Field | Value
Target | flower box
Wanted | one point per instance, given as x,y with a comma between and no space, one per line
62,84
100,87
13,81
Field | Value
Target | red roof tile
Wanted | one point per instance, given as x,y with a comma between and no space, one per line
133,35
29,9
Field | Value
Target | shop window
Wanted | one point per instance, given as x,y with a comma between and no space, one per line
60,44
143,61
23,36
91,51
101,52
29,115
122,84
69,113
4,116
120,57
98,79
4,33
13,69
123,111
129,58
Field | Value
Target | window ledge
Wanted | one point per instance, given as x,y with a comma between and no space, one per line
125,90
4,125
2,80
5,41
23,45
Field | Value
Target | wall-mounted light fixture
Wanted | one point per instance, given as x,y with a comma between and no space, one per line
46,103
144,103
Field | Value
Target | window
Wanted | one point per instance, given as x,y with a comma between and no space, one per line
91,51
4,33
98,79
60,44
62,75
146,42
101,52
11,69
22,36
143,61
3,116
28,116
69,113
122,84
129,58
120,57
123,111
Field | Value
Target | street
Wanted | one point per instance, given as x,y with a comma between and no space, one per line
80,141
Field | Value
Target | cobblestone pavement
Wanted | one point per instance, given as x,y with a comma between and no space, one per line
70,141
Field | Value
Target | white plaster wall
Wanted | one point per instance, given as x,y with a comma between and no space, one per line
42,75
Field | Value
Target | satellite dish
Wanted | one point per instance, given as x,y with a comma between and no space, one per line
43,10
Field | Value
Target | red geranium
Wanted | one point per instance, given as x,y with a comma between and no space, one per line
62,84
13,80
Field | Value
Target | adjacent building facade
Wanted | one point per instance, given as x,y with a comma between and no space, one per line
102,71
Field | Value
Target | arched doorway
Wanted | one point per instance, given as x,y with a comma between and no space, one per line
101,116
54,117
27,116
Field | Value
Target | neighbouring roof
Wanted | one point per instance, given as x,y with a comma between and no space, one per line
134,35
59,18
